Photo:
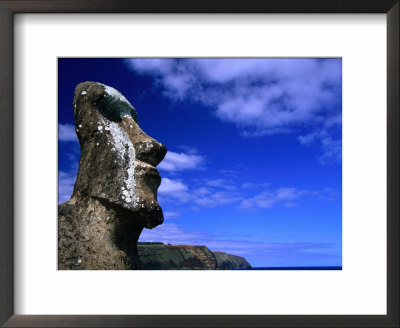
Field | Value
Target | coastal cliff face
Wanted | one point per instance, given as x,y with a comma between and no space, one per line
228,262
157,256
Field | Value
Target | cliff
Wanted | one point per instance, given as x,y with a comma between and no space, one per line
157,256
228,262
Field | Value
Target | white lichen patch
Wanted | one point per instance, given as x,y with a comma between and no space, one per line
148,144
83,92
125,151
97,144
114,93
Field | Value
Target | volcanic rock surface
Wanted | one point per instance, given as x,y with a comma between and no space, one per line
115,194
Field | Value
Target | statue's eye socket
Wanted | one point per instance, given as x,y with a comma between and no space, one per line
114,108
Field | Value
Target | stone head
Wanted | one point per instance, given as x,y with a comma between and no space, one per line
117,164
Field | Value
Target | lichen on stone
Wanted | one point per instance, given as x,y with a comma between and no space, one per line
114,106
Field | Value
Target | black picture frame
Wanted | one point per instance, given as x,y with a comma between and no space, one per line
10,7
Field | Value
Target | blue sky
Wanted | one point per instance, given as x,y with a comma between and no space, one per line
254,162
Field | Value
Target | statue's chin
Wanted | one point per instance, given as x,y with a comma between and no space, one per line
148,213
153,217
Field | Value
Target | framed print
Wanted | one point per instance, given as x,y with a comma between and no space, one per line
161,51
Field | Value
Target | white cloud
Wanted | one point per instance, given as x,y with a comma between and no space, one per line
201,191
170,233
267,199
173,189
260,96
328,137
169,186
180,161
206,196
221,183
171,215
212,193
217,199
288,197
66,132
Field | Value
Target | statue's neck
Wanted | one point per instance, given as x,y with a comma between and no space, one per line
107,231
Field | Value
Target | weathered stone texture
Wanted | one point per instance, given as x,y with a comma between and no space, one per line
115,194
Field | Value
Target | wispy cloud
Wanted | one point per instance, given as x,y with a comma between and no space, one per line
287,197
66,132
171,215
208,193
217,199
266,199
173,190
221,183
174,162
212,193
170,233
260,96
328,136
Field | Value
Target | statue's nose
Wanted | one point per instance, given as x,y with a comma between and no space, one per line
149,150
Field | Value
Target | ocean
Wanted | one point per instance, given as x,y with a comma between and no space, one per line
297,268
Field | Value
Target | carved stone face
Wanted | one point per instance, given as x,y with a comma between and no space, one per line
118,159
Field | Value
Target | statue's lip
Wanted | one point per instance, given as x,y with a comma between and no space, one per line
151,172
